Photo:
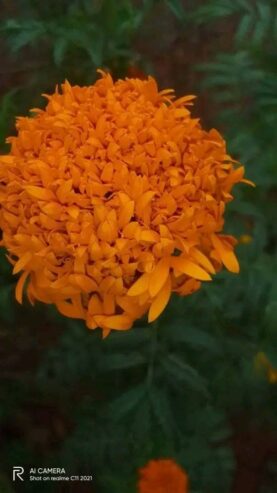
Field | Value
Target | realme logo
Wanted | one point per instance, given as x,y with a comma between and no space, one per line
17,473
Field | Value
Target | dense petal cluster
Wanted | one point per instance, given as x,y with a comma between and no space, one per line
112,198
162,476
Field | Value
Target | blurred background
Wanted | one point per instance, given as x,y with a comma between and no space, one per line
200,386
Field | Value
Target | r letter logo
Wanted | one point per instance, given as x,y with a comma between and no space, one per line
17,473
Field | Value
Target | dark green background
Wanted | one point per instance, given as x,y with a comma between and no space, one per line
185,387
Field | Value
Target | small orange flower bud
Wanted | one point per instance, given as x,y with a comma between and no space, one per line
162,476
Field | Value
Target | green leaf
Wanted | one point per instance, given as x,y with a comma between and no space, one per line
194,337
25,37
176,6
11,24
215,9
121,361
141,423
244,28
95,51
124,404
266,16
176,369
161,407
59,50
245,5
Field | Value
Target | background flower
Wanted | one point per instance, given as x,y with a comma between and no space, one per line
162,476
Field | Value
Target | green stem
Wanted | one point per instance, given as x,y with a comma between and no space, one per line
153,352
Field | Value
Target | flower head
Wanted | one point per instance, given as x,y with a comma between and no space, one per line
112,198
162,476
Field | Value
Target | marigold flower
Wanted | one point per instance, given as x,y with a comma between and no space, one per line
112,198
162,476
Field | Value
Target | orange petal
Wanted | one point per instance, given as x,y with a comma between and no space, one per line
140,286
77,303
203,260
190,269
158,277
149,89
105,333
230,261
184,100
84,282
248,182
143,201
69,310
11,219
126,213
131,230
108,304
52,209
95,305
226,254
73,211
20,286
39,193
190,286
181,113
117,322
130,306
22,262
90,322
149,236
160,301
107,173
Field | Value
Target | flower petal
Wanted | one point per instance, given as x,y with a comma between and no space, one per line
159,303
39,193
69,309
20,286
190,269
22,262
158,277
116,322
226,254
140,286
203,260
126,212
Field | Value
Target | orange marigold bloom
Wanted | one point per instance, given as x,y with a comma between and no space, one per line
113,197
162,476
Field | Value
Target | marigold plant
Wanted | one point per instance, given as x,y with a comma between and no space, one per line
112,198
162,476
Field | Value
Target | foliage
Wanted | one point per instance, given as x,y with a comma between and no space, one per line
172,389
89,34
54,40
